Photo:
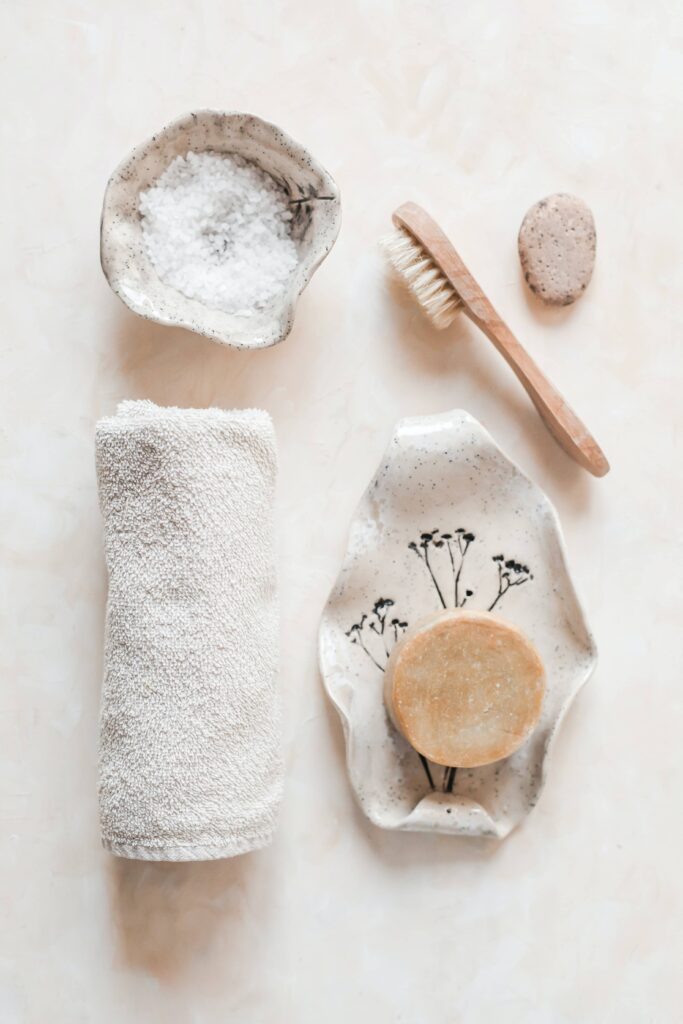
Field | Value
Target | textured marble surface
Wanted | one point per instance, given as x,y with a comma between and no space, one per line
475,110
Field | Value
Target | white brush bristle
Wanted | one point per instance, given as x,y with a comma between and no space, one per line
418,271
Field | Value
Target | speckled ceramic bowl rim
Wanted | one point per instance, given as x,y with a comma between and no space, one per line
113,263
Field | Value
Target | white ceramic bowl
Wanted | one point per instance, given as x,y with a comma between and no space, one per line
315,225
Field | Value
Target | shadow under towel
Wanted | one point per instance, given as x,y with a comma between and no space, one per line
190,759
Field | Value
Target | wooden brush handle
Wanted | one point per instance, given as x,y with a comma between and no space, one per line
562,422
569,431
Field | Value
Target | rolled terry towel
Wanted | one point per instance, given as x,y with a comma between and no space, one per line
190,761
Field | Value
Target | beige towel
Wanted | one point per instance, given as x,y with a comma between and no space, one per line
190,762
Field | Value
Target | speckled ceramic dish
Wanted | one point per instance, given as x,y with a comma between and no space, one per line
315,225
448,521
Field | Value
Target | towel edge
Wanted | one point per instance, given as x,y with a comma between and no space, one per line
237,846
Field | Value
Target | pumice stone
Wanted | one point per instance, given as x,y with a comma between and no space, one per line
557,248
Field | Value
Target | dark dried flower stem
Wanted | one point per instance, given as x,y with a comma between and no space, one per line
379,612
431,573
425,541
428,773
510,574
463,540
355,635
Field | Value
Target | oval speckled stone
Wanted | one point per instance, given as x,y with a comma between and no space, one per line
557,248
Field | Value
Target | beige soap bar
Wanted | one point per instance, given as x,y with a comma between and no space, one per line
464,688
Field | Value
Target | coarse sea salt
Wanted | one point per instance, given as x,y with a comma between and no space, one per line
217,228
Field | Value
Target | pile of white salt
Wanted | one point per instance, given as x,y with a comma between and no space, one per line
217,228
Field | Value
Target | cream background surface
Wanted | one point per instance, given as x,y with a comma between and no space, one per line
476,109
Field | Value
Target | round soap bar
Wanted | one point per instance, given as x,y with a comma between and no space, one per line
557,248
464,688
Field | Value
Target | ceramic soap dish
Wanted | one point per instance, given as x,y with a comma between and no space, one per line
316,218
448,521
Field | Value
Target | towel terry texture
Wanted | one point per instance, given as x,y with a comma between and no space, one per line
190,757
